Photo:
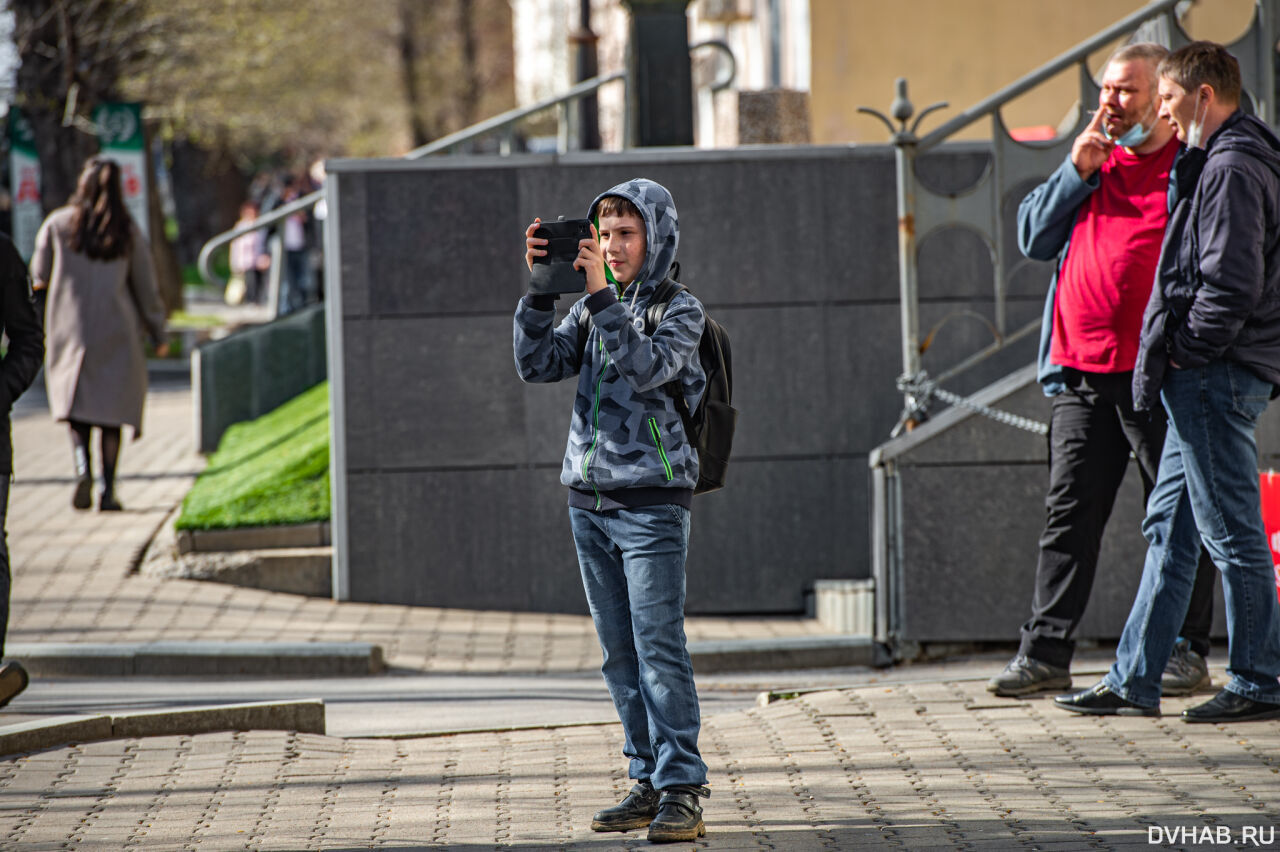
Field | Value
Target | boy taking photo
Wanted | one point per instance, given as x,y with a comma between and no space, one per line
631,472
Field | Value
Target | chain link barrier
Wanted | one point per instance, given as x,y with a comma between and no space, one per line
919,389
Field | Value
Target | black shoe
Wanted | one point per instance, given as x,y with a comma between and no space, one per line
109,503
83,496
635,811
1099,700
679,817
13,679
1229,707
1185,673
1025,675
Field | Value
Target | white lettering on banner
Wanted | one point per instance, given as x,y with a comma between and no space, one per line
1206,835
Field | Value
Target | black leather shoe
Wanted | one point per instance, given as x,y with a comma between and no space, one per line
679,816
1024,675
635,811
1229,707
1099,700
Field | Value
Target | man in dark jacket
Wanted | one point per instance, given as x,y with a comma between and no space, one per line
1101,215
1211,352
18,369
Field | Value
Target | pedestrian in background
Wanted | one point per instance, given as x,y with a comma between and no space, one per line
102,296
18,368
249,260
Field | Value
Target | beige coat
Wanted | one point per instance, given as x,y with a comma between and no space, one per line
95,314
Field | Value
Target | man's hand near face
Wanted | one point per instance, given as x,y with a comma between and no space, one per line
1091,149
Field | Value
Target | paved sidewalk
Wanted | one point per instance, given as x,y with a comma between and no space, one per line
935,763
926,766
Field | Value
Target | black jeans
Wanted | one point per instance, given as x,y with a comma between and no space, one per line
1091,432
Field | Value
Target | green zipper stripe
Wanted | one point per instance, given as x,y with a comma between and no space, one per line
657,440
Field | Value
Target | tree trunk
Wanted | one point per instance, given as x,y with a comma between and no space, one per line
208,188
163,257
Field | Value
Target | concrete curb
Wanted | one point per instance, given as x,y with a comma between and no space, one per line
785,653
305,716
169,659
254,538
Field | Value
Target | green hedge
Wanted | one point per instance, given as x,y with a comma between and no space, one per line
267,472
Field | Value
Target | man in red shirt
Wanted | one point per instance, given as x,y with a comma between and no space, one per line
1102,215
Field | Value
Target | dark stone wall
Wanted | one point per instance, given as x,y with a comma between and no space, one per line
453,464
256,369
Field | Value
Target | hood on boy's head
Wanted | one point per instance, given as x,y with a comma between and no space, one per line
661,225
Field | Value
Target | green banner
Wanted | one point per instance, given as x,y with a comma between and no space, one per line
24,182
121,137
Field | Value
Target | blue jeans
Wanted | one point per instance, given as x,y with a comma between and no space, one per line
1206,490
632,563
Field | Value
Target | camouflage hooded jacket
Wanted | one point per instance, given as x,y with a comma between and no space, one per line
625,436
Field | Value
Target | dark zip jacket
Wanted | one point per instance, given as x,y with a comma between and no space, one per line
1217,288
19,322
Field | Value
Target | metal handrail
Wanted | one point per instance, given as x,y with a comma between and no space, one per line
502,121
514,116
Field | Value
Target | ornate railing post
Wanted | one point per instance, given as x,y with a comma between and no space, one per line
905,141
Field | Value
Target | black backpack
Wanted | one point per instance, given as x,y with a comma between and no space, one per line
711,425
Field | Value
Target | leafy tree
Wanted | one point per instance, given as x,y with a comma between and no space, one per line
250,82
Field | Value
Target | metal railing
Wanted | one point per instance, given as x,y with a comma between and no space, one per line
503,124
1013,164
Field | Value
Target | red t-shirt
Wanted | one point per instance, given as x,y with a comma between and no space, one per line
1106,278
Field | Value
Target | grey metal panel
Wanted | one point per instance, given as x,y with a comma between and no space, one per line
972,572
444,394
487,539
778,525
361,426
352,243
444,241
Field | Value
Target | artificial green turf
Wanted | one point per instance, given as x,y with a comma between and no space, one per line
267,472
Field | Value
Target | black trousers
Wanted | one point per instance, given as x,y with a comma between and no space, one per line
4,560
1092,430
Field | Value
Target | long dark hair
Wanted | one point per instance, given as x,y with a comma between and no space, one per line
99,222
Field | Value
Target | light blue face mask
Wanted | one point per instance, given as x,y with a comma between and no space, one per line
1134,136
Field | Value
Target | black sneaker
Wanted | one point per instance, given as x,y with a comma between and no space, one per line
1186,672
635,811
679,816
1025,675
13,679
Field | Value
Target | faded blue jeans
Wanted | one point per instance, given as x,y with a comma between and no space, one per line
632,563
1206,489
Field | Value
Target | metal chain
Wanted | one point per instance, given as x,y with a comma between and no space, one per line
1014,420
920,388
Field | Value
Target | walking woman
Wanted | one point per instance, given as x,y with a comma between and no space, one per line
96,267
